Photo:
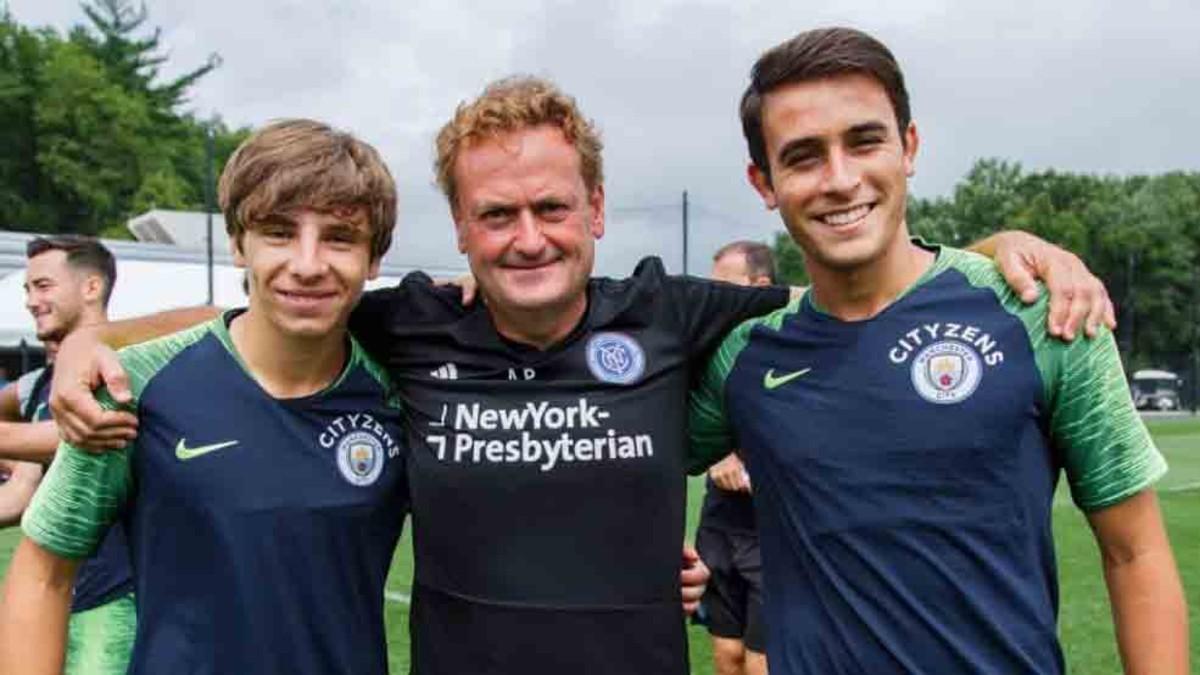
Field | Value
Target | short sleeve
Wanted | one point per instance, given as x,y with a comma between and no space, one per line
1107,451
79,498
710,309
708,427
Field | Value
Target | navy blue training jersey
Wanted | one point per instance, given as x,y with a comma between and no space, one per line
106,574
261,529
904,469
548,485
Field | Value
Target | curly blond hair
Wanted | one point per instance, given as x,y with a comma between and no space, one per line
299,163
511,104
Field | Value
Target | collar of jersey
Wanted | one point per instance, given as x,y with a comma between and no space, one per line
942,261
479,323
220,328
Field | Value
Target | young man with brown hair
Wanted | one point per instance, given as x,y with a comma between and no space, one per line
906,422
266,490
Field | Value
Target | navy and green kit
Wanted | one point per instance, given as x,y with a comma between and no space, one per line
261,529
103,620
904,469
548,486
106,575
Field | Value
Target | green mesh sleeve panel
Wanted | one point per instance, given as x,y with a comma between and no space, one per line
707,426
360,356
1105,447
83,493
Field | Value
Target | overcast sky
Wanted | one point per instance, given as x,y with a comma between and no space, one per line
1103,86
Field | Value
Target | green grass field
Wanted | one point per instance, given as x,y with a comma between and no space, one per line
1084,618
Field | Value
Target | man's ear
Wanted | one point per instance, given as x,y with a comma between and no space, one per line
596,201
460,226
235,249
761,182
93,288
911,141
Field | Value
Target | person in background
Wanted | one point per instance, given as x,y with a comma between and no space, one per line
727,538
68,282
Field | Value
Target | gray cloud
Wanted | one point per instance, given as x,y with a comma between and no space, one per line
1099,86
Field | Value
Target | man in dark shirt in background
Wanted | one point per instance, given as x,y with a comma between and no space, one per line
727,538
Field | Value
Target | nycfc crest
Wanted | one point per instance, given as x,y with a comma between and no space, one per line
615,357
360,458
946,372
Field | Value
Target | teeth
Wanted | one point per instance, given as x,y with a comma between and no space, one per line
843,217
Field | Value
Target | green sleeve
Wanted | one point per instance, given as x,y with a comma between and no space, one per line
1107,452
708,427
79,498
83,493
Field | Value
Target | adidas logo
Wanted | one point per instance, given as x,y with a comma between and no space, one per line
446,372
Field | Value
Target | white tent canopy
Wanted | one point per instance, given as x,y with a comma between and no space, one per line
143,287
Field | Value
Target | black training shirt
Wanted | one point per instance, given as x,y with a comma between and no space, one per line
548,486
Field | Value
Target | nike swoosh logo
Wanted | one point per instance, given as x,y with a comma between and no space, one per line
183,452
771,381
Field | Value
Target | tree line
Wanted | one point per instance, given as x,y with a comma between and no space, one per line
90,133
1140,234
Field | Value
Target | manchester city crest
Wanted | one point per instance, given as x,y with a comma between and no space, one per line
946,372
360,458
615,357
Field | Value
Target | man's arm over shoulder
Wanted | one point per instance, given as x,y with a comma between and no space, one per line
117,334
708,424
706,309
382,314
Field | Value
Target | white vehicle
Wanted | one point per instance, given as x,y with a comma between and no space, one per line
1155,390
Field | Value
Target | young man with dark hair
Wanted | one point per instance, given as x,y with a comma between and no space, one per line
727,537
905,422
68,282
547,423
266,490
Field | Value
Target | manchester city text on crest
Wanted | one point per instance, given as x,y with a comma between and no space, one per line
946,372
615,357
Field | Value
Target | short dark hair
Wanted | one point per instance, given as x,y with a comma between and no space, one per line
760,261
814,55
85,253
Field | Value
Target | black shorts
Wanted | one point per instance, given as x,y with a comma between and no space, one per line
732,603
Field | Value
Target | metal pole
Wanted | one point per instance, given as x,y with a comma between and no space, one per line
685,232
209,188
1195,339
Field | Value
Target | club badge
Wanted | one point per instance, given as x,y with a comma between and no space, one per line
946,372
360,458
615,358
